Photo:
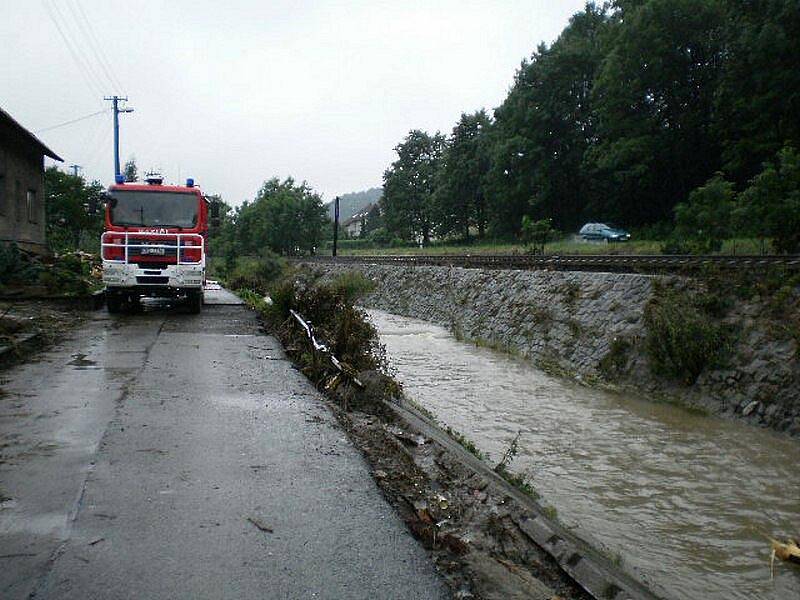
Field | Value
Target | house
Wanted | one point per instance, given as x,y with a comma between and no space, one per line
22,211
355,224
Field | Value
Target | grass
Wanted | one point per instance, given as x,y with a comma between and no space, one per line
565,246
466,443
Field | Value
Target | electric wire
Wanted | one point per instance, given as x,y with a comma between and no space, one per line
70,122
90,83
100,48
77,43
85,27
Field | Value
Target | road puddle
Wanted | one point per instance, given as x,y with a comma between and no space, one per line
683,499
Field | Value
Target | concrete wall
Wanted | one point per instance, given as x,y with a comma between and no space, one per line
21,173
567,322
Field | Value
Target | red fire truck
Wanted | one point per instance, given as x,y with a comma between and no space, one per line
154,244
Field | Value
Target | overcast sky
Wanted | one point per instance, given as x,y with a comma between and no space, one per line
232,92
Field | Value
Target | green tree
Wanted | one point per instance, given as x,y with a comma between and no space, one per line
705,220
544,127
654,100
131,171
758,99
460,198
771,204
285,217
74,211
408,186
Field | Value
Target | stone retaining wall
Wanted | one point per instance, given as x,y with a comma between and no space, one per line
591,326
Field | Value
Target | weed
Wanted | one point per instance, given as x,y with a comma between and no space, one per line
682,337
509,454
571,291
550,512
614,362
467,444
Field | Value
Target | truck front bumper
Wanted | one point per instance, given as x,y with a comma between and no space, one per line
122,275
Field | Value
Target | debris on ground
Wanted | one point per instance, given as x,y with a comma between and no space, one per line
26,326
469,528
260,525
788,551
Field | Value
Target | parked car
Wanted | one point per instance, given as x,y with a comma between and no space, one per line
601,231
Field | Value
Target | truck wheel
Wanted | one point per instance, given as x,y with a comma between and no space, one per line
194,302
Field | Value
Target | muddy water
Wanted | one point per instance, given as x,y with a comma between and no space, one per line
679,496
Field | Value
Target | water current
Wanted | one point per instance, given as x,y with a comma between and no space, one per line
683,499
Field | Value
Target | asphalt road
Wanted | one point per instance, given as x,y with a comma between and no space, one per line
168,455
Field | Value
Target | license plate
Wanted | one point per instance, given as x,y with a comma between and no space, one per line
153,251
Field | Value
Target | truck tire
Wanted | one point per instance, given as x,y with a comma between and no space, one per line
194,302
114,303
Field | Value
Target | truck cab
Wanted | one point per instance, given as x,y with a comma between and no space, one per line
154,244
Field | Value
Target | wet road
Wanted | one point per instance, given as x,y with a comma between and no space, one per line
168,455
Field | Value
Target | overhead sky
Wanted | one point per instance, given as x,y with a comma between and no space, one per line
235,92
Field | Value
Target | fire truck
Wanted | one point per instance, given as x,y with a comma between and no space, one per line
154,243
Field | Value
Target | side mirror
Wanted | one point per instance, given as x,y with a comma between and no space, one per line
214,209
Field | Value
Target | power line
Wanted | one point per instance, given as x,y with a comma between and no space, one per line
76,40
86,29
65,123
100,47
81,67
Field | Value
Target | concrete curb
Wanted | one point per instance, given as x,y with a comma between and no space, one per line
591,570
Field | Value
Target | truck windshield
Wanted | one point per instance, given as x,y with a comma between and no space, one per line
153,209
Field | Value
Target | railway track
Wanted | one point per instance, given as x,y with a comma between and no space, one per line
576,262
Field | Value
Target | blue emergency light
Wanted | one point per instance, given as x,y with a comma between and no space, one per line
190,182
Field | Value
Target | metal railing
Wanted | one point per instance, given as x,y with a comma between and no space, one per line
180,246
323,348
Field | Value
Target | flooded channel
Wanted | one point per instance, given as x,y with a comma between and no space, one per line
683,499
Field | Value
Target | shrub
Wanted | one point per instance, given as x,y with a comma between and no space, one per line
704,221
352,285
256,273
682,338
16,267
771,205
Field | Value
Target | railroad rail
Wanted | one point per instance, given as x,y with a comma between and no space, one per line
578,262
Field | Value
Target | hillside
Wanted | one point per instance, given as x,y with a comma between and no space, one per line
350,204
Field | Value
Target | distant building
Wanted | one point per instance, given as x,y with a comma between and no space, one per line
355,224
22,212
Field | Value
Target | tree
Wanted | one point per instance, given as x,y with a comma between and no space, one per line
408,186
285,217
74,211
758,99
131,171
705,220
544,127
771,204
654,100
460,198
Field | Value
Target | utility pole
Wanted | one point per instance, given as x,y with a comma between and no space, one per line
115,100
335,224
75,169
